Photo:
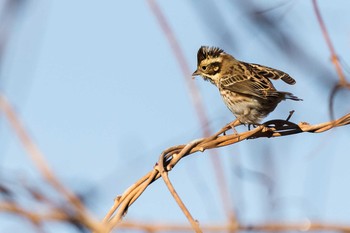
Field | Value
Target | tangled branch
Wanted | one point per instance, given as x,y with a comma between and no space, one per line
171,156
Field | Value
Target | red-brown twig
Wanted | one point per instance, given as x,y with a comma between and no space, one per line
342,83
328,40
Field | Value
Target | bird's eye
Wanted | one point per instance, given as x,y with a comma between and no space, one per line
204,67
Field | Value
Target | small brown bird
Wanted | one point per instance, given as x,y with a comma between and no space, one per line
245,88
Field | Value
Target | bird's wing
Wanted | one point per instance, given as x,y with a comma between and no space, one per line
271,73
242,79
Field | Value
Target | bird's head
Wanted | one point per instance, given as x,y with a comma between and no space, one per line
209,61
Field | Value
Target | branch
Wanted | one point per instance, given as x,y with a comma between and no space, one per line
171,156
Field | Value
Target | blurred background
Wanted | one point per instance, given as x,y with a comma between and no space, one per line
102,92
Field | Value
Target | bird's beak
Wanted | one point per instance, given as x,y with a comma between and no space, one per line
195,74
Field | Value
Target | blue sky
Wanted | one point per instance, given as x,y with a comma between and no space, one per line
100,91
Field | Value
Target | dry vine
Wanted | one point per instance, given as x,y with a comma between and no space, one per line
171,156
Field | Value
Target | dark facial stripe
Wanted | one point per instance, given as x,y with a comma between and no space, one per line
214,68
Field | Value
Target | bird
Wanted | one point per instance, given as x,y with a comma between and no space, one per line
245,88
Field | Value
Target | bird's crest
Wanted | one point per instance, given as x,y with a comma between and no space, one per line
205,52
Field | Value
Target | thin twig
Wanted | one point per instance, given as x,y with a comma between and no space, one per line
164,174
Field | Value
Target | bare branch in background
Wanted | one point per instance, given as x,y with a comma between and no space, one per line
39,161
342,83
306,226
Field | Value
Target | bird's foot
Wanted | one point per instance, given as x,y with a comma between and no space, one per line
229,126
254,125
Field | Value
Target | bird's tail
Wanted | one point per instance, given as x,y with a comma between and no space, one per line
288,95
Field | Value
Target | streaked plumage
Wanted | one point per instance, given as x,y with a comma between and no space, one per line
245,88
